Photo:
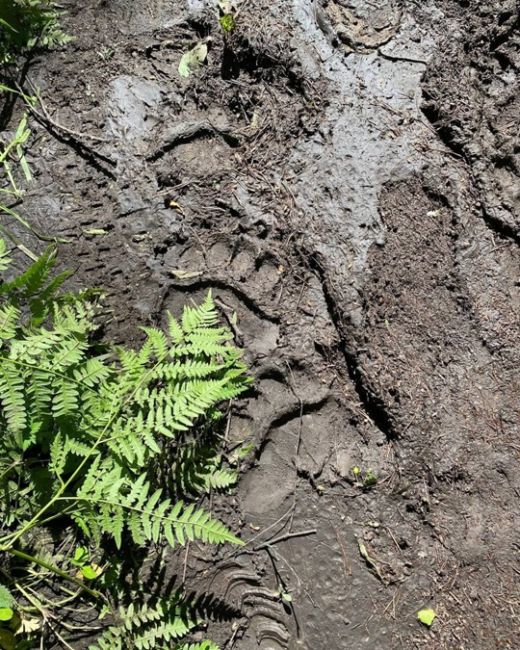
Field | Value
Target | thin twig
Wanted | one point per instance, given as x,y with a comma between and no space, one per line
185,565
283,538
46,116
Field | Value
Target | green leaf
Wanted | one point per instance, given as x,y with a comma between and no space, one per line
192,60
91,571
426,616
6,598
5,260
6,24
80,556
6,614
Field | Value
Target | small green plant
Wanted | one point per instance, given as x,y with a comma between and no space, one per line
103,449
88,569
12,153
365,479
27,23
227,16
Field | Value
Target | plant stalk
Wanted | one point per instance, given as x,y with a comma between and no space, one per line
51,567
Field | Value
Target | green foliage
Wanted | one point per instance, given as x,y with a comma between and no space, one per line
227,23
13,152
27,23
113,443
6,597
6,604
148,627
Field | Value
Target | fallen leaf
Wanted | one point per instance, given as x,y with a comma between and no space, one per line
29,625
370,560
185,275
94,231
193,59
176,206
426,616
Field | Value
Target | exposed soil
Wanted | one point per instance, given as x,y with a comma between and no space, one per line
345,175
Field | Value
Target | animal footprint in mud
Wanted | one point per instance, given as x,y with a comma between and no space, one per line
358,32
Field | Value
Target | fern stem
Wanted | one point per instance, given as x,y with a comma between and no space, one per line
51,567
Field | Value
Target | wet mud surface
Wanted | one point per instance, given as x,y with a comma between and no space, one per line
344,175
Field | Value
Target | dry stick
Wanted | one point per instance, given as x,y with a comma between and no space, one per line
346,565
225,309
185,565
281,581
397,57
299,442
283,538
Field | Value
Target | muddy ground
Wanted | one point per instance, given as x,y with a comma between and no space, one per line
345,175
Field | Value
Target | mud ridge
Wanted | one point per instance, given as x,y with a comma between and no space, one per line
373,406
498,226
224,284
286,414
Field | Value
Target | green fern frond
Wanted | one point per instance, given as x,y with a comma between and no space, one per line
174,329
93,371
148,515
221,479
204,645
74,317
70,352
189,369
66,398
12,397
6,597
157,342
5,260
58,455
86,432
33,279
9,316
147,627
112,639
203,316
34,346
